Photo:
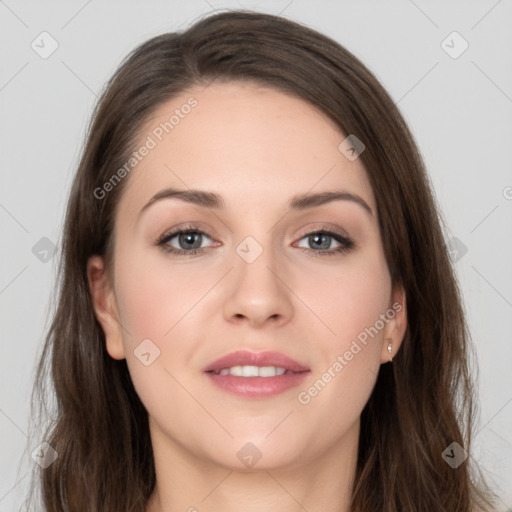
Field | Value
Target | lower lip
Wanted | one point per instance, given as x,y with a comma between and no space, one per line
257,387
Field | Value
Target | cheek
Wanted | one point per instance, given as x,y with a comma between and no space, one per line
351,304
166,305
154,302
154,296
341,301
348,300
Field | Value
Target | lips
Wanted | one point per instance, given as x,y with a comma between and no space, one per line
261,359
252,387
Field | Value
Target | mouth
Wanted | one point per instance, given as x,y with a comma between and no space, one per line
256,374
253,371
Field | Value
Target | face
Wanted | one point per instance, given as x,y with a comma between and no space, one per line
252,273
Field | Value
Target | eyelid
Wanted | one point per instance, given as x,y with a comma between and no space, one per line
199,227
313,227
177,230
345,242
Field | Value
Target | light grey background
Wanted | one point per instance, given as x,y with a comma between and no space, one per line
459,110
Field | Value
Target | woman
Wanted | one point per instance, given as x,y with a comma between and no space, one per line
257,308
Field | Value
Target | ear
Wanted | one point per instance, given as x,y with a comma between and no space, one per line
395,328
105,306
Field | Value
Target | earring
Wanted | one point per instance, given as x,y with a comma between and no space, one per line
390,350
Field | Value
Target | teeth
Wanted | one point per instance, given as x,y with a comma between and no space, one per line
252,371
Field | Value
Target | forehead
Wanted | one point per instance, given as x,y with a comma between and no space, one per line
256,146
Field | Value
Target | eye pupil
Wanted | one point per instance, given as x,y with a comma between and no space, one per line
188,238
316,237
190,241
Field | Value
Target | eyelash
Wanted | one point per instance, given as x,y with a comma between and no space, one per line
346,243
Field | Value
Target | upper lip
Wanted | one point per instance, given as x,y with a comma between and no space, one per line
247,358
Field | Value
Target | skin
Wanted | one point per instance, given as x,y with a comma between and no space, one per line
257,147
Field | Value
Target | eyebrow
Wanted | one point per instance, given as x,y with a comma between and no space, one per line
207,199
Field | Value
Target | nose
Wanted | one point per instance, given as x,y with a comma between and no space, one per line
258,293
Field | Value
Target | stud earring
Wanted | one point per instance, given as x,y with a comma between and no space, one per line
390,350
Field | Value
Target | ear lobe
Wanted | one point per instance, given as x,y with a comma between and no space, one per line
394,331
105,307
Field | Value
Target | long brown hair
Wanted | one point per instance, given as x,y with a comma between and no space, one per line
422,402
